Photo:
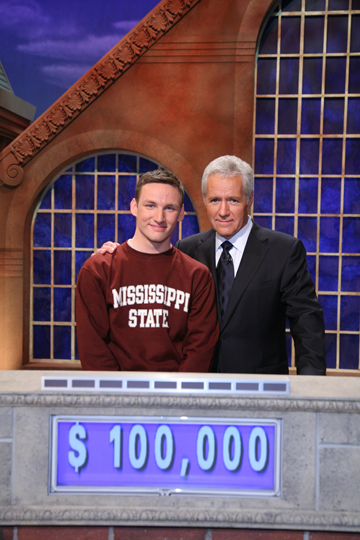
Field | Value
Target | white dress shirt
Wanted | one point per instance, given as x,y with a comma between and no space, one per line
238,241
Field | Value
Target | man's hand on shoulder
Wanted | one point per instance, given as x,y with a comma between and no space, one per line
108,247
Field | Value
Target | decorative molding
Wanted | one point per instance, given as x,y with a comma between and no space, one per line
201,52
75,400
11,263
112,66
347,521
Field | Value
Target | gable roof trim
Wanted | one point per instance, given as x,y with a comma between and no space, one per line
89,87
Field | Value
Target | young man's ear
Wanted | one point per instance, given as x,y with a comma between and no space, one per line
182,213
133,207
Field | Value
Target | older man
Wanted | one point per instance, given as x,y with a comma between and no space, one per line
261,280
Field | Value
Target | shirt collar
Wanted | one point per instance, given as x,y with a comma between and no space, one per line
238,240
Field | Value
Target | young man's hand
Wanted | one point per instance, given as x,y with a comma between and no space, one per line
108,247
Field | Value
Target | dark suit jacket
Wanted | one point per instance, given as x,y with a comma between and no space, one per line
272,283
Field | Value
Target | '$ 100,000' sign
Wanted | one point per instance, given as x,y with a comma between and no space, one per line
165,455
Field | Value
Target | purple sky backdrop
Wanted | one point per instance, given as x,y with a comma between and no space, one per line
46,46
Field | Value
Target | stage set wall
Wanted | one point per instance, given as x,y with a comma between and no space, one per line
159,93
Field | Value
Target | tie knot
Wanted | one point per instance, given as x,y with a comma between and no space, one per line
226,246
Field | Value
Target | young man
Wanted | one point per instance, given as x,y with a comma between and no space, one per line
147,307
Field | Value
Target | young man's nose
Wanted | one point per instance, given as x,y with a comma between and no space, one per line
159,215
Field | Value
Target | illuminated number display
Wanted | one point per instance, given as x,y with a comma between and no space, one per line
166,455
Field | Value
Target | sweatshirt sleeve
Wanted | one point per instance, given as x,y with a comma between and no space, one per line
92,325
202,329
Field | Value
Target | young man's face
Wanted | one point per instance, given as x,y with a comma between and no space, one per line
158,210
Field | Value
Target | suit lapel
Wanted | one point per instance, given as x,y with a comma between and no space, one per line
255,251
205,252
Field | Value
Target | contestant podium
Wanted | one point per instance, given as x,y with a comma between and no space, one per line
194,450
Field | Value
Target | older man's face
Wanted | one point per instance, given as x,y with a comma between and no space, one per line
226,204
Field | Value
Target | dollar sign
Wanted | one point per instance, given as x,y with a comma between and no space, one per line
76,433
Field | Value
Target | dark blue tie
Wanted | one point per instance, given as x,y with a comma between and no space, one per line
225,276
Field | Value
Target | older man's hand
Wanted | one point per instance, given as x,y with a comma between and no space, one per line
108,247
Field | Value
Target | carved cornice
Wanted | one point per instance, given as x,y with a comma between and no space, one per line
196,517
112,66
76,400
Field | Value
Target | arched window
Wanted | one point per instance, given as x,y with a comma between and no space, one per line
83,207
307,152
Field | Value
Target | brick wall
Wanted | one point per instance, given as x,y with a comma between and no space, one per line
163,533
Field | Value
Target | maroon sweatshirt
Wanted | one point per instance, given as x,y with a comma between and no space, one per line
144,312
